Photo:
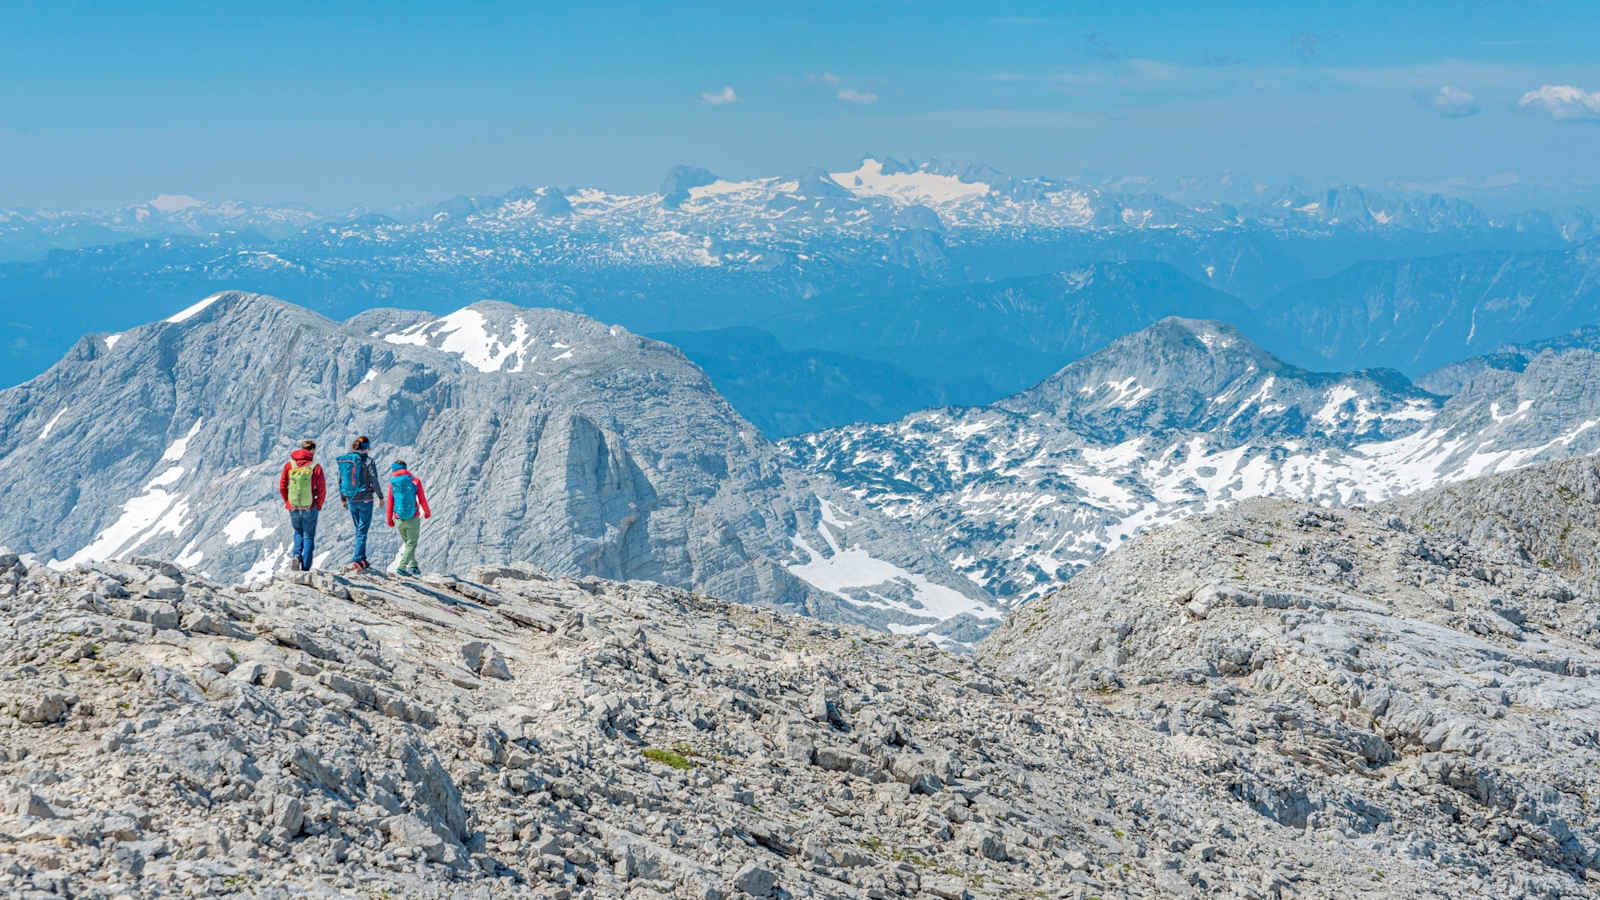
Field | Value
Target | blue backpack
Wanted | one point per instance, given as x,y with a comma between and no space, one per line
352,476
405,496
356,476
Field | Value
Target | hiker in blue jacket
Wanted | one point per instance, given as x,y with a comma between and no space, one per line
408,506
358,489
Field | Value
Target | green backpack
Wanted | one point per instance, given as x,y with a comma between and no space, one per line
300,494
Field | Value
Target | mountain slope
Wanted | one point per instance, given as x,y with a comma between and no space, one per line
1374,661
1419,314
540,434
1183,417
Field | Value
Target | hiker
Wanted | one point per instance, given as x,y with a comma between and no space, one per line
303,490
358,488
406,498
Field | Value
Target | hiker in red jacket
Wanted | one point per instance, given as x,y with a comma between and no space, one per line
409,505
303,489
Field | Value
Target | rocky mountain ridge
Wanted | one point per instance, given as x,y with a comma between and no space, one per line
1421,314
877,193
540,434
1184,417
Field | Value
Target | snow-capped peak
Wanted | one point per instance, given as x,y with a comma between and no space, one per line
915,187
171,203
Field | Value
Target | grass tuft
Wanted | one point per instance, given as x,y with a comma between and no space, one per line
668,757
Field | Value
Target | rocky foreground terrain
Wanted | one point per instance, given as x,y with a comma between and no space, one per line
1363,672
1275,701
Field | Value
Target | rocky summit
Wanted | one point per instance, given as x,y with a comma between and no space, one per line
1278,700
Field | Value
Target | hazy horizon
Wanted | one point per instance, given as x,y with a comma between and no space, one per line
342,106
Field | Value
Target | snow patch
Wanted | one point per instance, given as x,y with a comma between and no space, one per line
723,188
859,577
1338,396
908,188
189,557
171,203
51,425
152,513
265,564
859,571
181,446
1126,392
246,526
167,478
190,312
112,340
465,333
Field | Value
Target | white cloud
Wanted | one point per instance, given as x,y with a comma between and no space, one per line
851,95
719,98
1563,101
1453,102
828,78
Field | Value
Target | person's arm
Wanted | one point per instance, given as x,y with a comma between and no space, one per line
283,485
422,499
389,508
319,487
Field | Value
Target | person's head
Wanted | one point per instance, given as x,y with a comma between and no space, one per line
309,445
360,443
398,465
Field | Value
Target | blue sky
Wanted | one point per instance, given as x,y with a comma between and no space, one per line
366,103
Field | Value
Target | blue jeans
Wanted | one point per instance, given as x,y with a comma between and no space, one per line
305,536
361,517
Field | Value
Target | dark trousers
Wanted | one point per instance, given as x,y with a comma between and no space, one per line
305,536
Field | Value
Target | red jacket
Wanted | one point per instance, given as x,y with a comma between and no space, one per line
422,498
319,488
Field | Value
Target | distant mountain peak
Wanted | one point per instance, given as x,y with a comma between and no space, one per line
680,180
171,203
907,185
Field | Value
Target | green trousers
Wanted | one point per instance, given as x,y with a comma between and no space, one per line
410,529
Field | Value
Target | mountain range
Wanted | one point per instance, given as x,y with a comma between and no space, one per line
841,267
551,437
541,435
1186,416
